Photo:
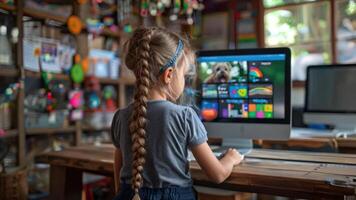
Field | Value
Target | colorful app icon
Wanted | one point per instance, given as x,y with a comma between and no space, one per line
209,111
242,92
209,91
268,115
252,107
260,114
223,91
268,108
238,91
252,114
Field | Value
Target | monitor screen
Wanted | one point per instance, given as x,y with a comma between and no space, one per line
331,89
244,86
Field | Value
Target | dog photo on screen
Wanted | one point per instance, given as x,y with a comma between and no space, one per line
220,74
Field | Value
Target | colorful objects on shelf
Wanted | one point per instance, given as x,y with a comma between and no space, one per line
127,28
153,9
77,73
92,83
123,11
75,104
93,101
85,65
76,99
144,8
108,21
92,91
10,93
46,78
74,24
109,95
94,26
109,92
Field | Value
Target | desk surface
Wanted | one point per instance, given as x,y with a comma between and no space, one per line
286,173
314,139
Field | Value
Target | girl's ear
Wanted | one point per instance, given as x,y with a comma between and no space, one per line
167,75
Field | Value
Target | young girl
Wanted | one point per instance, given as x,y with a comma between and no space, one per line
152,135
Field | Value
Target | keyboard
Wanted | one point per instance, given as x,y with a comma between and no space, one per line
219,152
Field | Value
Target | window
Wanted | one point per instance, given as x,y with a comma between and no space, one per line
345,25
306,27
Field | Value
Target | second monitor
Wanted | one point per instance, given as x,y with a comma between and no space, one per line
245,94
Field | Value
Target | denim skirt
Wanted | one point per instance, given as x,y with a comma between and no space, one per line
166,193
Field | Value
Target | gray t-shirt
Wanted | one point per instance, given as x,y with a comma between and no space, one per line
170,131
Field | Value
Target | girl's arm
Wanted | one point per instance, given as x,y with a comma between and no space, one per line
216,170
117,168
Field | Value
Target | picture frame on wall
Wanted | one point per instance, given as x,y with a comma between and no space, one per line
215,30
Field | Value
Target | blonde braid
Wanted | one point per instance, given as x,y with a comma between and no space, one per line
138,118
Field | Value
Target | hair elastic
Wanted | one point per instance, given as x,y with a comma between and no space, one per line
171,62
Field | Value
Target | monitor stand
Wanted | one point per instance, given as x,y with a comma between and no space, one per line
243,146
344,131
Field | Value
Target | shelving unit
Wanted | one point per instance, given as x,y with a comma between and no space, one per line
54,75
8,72
88,128
48,131
10,133
18,71
7,7
43,15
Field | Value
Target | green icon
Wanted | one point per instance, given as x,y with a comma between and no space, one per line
252,114
268,115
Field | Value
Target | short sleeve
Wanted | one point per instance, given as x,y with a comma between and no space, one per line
115,130
196,131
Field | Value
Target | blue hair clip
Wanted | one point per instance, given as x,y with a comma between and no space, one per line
171,62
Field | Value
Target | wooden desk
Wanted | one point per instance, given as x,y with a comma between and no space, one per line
285,173
312,142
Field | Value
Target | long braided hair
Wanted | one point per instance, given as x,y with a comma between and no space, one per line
147,51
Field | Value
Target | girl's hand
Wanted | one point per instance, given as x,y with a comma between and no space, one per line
234,156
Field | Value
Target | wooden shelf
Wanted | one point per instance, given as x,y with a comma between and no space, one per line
108,81
127,81
43,15
46,131
88,128
54,75
298,84
109,33
7,7
8,71
124,81
10,133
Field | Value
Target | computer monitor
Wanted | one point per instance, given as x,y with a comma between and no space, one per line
245,94
331,96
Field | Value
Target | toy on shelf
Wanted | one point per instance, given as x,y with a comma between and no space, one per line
104,64
109,95
76,102
74,24
92,90
46,79
94,26
94,117
6,100
76,72
123,11
10,93
176,8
